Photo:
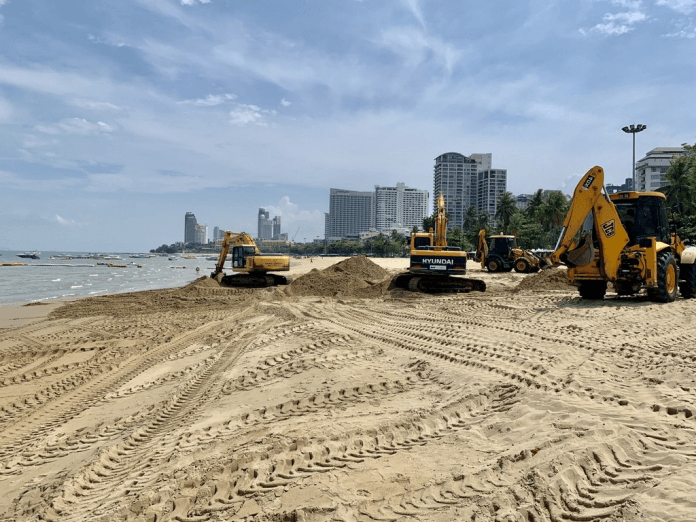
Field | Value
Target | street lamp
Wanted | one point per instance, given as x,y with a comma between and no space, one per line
633,129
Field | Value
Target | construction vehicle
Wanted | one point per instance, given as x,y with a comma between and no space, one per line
503,254
253,269
434,266
624,239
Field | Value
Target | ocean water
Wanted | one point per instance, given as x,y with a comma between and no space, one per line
51,279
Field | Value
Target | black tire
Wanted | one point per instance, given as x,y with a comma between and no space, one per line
521,265
494,265
667,279
687,287
593,289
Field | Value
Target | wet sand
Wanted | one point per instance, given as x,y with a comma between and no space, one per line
334,399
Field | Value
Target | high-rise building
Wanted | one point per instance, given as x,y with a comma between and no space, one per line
190,228
651,170
492,184
484,161
399,207
201,234
216,233
265,225
276,227
456,177
350,213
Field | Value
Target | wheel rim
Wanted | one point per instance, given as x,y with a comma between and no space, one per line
521,266
671,278
493,266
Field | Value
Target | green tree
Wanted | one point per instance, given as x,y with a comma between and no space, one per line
428,223
534,205
470,219
507,208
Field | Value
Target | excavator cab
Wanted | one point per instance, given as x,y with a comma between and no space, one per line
239,255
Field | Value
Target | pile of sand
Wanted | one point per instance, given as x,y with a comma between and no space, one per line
352,277
549,279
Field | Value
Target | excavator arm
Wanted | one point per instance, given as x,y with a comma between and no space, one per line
482,248
236,239
441,222
590,200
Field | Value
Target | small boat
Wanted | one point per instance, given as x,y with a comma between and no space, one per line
30,255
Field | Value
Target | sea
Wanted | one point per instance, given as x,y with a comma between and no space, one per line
54,277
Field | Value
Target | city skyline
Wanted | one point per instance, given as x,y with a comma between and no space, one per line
117,117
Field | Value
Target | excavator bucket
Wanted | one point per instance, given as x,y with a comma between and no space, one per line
583,254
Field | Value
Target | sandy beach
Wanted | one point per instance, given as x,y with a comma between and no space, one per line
334,399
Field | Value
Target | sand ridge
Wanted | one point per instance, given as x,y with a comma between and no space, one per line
209,403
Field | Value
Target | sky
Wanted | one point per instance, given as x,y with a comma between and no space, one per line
119,116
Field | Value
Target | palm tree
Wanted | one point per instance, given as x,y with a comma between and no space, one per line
681,176
507,207
553,212
470,219
483,219
535,204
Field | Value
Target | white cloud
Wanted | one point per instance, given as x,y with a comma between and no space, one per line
628,4
285,103
105,41
244,114
618,23
193,2
210,100
66,222
95,105
78,126
681,34
290,212
681,6
415,9
3,2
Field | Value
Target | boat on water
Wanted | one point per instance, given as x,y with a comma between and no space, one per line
30,255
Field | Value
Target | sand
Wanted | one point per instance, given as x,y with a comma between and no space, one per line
332,399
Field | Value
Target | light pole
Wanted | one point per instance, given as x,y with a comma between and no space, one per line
633,129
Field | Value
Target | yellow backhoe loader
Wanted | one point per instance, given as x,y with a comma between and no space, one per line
433,265
502,254
252,268
624,239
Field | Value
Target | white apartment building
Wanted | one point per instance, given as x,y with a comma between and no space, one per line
468,182
350,213
651,170
492,184
455,176
399,208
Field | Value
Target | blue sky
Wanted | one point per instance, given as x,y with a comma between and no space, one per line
118,116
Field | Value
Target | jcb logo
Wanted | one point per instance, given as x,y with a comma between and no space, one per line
588,182
609,228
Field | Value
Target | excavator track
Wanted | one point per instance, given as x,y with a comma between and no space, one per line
253,280
436,284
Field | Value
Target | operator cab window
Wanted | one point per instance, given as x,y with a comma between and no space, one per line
420,242
239,255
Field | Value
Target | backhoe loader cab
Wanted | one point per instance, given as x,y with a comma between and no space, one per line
624,239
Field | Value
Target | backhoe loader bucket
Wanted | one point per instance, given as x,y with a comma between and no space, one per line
584,254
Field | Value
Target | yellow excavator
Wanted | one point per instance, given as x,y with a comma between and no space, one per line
624,239
253,269
434,266
503,254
